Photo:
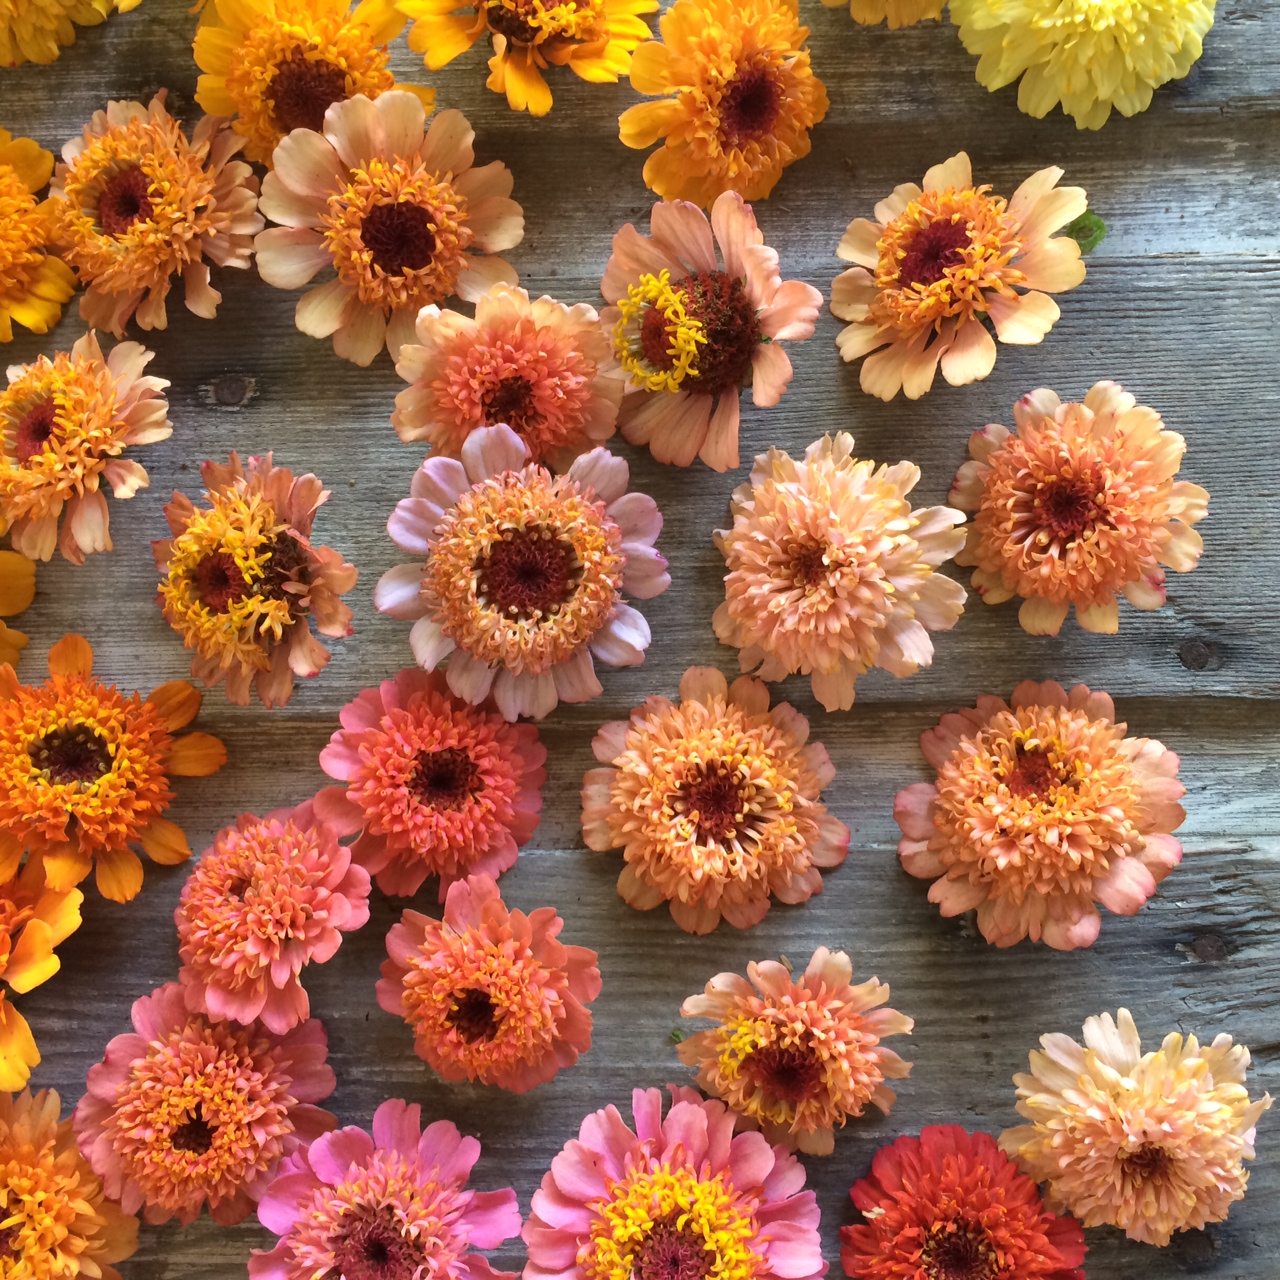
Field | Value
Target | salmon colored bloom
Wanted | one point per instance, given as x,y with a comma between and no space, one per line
1077,505
399,211
939,261
17,591
690,331
897,13
243,583
520,575
38,30
1151,1143
715,803
84,772
830,572
434,785
183,1113
1042,809
136,205
948,1206
796,1058
388,1205
491,995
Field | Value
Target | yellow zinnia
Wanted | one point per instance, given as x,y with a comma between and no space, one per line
38,30
897,13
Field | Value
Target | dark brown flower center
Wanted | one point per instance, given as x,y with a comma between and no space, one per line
9,1242
473,1015
808,567
445,779
33,430
124,201
1147,1162
302,90
1033,774
218,581
712,800
72,753
1066,506
509,22
195,1134
792,1074
669,1253
400,237
960,1251
370,1245
509,401
529,574
750,105
932,250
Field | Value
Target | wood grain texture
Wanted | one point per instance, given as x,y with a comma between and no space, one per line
1181,305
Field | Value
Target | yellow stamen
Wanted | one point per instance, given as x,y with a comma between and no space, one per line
684,333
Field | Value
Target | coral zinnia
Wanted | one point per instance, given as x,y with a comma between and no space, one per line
84,772
897,13
543,368
941,259
434,785
797,1058
183,1113
243,582
689,333
397,208
392,1205
715,802
520,574
137,204
17,591
38,30
1077,505
831,572
1151,1143
948,1205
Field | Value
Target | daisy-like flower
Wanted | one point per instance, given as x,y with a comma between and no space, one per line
1078,505
830,572
392,1204
491,995
17,591
38,30
183,1113
1151,1143
690,330
137,206
897,13
1041,810
520,574
942,259
796,1058
715,802
399,211
243,583
949,1204
85,770
269,897
64,425
434,785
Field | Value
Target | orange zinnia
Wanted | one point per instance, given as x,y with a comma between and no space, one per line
17,590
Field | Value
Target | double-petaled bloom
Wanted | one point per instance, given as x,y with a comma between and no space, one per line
38,30
896,13
17,591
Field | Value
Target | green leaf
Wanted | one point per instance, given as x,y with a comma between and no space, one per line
677,1035
1088,231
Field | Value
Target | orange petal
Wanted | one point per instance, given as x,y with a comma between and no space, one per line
32,961
18,1052
12,643
61,912
165,843
10,857
197,755
119,874
64,868
176,703
17,583
71,656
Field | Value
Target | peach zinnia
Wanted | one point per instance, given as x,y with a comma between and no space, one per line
1077,505
17,591
939,261
830,572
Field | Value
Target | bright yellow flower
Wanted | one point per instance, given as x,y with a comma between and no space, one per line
17,590
897,13
38,30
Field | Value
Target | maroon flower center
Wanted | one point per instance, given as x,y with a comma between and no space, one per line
1147,1162
218,581
370,1245
400,237
1066,506
302,90
195,1134
72,753
668,1253
807,565
530,574
509,22
473,1015
712,799
9,1242
933,249
445,779
124,201
1033,774
509,401
960,1251
750,106
33,430
791,1074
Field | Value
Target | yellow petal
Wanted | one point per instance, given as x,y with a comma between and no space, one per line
197,755
18,1052
17,583
31,961
71,656
120,874
165,842
12,643
176,703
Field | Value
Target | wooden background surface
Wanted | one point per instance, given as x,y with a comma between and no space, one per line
1180,305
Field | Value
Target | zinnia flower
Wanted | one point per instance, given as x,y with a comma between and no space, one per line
388,1205
57,1223
897,13
269,897
689,333
797,1058
1077,505
138,205
490,994
543,368
737,98
938,261
1042,809
38,30
243,582
434,785
948,1204
715,803
830,572
17,591
64,425
183,1113
520,574
1151,1143
680,1195
84,772
399,211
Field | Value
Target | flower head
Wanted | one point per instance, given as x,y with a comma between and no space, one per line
940,260
17,591
397,208
543,368
491,994
243,582
897,13
183,1113
434,785
38,30
690,329
520,574
1151,1143
1077,505
392,1204
830,572
715,803
797,1057
948,1204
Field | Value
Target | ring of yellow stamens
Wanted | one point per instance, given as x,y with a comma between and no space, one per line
24,230
683,333
531,22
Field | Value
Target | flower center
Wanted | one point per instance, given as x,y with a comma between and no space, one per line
445,779
195,1134
1147,1162
124,201
712,800
371,1246
530,573
510,401
399,236
959,1251
1033,774
218,581
72,753
750,105
1066,506
669,1253
302,89
808,565
473,1015
511,21
790,1074
33,430
933,248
